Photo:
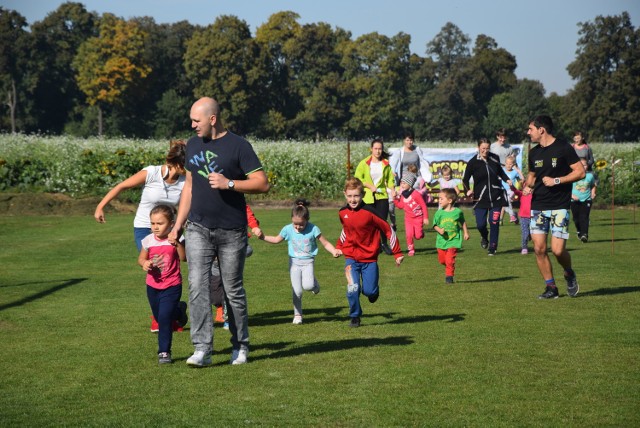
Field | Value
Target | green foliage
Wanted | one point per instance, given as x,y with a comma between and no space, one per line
57,39
16,70
172,117
306,81
294,169
606,97
73,166
111,64
483,352
224,61
514,109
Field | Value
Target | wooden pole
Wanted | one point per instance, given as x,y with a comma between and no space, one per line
613,187
348,159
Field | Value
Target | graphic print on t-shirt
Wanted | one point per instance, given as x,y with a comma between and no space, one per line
205,163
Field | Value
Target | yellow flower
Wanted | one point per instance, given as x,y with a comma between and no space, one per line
601,164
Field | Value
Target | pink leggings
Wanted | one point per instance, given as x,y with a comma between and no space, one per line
413,230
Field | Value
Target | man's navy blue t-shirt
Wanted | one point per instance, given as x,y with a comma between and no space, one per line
231,156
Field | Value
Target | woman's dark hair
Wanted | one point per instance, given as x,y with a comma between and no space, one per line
408,134
502,132
177,153
384,155
300,209
582,137
483,141
167,210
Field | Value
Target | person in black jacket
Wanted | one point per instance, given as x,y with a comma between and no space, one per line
488,193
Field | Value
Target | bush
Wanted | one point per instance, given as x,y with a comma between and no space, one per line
82,167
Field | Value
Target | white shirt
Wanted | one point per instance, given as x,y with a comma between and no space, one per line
375,169
156,191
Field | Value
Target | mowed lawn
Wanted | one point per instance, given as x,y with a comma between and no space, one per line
77,351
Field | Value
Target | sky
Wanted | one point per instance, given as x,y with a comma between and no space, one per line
541,34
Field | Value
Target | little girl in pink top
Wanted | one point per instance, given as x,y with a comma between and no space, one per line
525,218
415,210
161,260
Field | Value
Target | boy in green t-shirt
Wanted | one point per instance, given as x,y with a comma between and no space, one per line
448,222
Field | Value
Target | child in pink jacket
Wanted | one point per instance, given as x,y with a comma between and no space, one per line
415,210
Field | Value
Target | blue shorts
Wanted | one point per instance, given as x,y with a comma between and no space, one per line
556,220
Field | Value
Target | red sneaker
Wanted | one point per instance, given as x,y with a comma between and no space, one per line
176,326
154,325
219,314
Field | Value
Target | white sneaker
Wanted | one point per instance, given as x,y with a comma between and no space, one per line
239,356
199,359
297,319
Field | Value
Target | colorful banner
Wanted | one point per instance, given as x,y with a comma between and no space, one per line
457,159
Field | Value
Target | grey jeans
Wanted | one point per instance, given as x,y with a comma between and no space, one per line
229,246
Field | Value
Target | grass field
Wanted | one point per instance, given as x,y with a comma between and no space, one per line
76,348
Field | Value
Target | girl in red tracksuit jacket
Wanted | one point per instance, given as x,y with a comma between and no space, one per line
359,242
415,210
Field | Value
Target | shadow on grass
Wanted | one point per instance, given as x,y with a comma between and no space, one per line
501,278
419,318
329,346
609,240
609,291
280,317
428,251
40,295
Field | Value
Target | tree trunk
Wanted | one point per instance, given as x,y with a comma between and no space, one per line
11,103
99,121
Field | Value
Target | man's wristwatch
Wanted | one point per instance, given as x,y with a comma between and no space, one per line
231,184
556,181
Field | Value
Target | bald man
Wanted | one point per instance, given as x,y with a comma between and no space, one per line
220,168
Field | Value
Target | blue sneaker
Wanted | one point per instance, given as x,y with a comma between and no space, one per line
572,285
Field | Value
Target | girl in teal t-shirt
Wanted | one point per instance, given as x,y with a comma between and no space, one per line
582,195
302,237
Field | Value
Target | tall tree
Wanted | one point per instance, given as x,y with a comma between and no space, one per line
223,61
57,39
377,70
280,101
445,103
15,76
514,109
606,98
316,80
489,71
109,65
161,102
449,49
422,81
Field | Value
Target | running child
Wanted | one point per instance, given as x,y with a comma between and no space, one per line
302,237
515,175
359,242
525,218
415,210
161,261
582,195
449,222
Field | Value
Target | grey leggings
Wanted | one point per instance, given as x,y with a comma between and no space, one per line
302,279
